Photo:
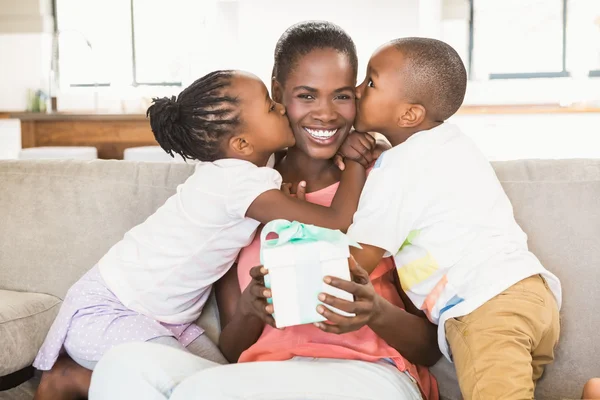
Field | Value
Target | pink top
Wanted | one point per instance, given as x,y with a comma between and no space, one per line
310,341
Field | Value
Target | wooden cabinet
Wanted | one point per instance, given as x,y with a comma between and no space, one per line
110,134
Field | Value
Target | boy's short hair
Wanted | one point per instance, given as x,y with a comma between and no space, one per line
436,76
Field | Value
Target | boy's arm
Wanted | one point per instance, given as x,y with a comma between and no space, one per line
385,216
274,204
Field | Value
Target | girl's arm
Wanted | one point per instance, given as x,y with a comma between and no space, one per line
274,204
243,315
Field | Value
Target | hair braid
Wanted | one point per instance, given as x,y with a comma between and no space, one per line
195,124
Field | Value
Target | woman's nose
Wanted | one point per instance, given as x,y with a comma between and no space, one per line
325,112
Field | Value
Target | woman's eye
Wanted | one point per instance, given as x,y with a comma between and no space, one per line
306,96
370,83
344,97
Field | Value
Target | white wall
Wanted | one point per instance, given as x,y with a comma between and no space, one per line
544,136
25,65
259,23
25,48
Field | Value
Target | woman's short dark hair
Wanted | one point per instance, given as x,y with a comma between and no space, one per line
304,37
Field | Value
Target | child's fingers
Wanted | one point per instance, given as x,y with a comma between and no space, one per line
286,188
301,191
338,160
362,154
372,141
368,141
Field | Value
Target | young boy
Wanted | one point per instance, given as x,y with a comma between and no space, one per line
434,203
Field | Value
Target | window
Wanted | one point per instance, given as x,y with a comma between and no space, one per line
583,39
513,39
125,42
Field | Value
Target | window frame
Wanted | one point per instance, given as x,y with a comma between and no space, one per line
564,73
134,80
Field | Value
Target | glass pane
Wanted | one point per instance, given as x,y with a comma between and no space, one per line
94,42
517,36
165,35
583,36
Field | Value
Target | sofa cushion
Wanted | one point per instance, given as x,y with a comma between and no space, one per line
209,319
25,319
556,204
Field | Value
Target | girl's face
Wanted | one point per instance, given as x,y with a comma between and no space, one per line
319,95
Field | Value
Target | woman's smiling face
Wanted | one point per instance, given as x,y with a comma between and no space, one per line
319,95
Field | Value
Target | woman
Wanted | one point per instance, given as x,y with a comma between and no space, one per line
314,77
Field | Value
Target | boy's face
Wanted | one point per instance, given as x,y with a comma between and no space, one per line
382,94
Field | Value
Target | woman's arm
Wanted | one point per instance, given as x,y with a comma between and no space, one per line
243,315
274,204
412,335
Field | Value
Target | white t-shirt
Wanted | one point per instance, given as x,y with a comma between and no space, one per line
436,205
164,267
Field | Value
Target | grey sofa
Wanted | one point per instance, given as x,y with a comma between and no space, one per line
57,218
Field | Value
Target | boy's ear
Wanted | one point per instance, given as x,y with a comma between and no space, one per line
410,115
276,91
239,145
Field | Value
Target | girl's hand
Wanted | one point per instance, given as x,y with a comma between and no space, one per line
300,194
357,147
254,299
366,306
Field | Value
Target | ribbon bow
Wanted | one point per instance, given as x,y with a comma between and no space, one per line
296,232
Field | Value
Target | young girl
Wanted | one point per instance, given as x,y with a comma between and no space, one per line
153,284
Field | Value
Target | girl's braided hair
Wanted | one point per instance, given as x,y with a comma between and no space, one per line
195,123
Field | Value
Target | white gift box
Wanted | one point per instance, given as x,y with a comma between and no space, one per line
297,264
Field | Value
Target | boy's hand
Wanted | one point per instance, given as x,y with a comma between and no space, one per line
357,147
380,147
286,188
254,298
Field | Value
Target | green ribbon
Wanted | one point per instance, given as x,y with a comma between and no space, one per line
296,232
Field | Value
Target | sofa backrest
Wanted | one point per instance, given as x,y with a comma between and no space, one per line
57,218
557,203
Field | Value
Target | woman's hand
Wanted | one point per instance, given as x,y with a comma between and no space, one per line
254,299
366,305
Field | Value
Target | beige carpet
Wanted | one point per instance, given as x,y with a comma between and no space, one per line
23,392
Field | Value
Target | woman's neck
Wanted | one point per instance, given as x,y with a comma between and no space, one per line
298,166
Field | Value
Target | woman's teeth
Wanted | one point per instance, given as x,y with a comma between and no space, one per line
320,133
